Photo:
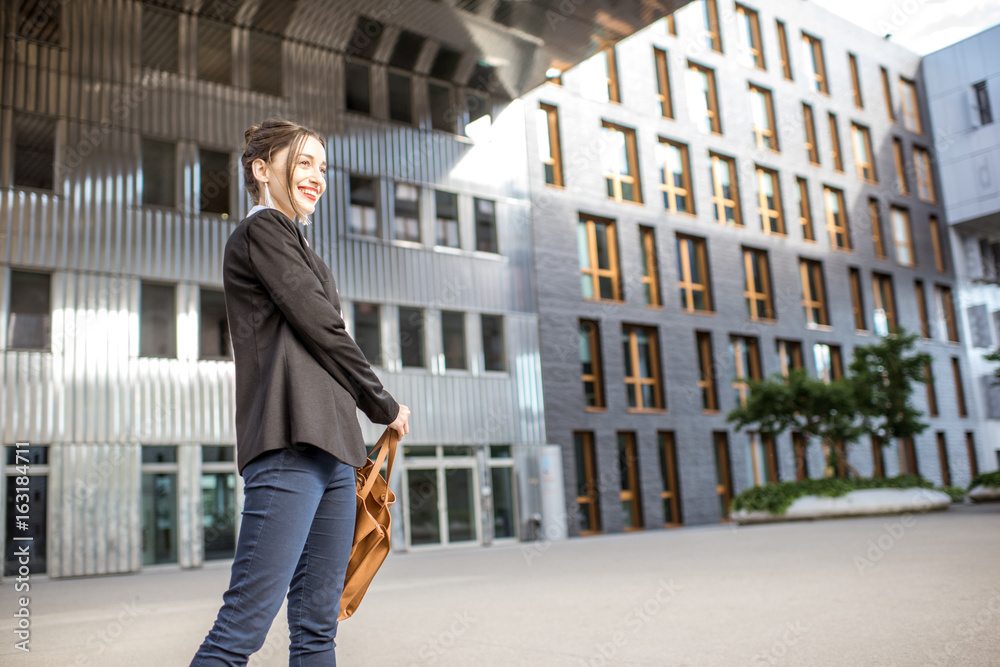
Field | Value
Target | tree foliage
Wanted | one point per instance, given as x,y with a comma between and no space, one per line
994,356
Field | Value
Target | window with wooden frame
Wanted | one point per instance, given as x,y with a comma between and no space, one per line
723,473
925,180
864,157
932,404
772,217
921,297
800,447
946,311
693,274
670,494
621,163
809,123
786,62
614,89
887,94
675,176
710,15
908,464
828,361
706,372
836,219
671,25
597,248
629,494
704,98
878,457
857,299
663,94
935,231
970,449
591,372
942,445
805,210
813,293
789,355
764,127
956,373
751,45
901,236
838,155
549,146
817,65
650,268
911,105
746,365
757,285
763,458
725,191
643,384
902,185
852,61
587,490
885,304
875,219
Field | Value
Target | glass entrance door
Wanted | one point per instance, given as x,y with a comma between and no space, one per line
441,504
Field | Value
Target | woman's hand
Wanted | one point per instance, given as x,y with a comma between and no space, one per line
402,422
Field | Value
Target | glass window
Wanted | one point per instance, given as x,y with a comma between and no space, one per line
368,331
934,228
668,476
216,182
453,339
901,236
400,97
365,38
597,249
693,281
852,61
34,151
214,339
805,210
446,206
809,122
630,494
956,372
762,106
357,86
159,170
921,297
663,95
619,156
745,355
406,50
703,98
445,63
863,155
838,155
650,271
215,51
442,113
643,387
813,293
159,504
364,214
265,63
885,304
548,144
911,106
817,65
599,77
829,364
486,225
725,193
160,39
494,358
836,218
757,284
411,337
675,176
772,217
751,46
407,209
857,300
902,186
887,94
789,355
982,98
706,372
591,373
946,312
587,483
157,321
710,15
786,62
925,181
29,321
875,220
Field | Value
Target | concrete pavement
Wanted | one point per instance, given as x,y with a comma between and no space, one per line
875,591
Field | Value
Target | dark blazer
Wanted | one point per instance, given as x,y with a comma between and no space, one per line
299,374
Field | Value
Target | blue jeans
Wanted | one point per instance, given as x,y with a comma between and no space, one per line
295,536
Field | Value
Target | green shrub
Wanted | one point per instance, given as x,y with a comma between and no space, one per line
776,498
957,493
986,479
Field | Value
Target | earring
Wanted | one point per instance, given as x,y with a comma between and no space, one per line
267,197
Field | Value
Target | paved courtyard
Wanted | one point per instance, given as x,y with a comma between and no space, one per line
903,590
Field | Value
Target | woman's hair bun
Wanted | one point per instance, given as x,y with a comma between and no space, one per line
248,135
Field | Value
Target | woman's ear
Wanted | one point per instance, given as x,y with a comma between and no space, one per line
261,171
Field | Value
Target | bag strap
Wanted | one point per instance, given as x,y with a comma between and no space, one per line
386,446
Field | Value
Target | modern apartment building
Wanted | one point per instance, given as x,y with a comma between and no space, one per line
963,96
737,190
122,123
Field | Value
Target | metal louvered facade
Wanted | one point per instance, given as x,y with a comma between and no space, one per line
115,431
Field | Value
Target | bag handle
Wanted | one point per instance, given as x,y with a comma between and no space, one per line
386,446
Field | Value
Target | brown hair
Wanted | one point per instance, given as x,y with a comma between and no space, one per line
268,138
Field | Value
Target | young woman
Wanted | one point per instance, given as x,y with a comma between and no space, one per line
299,379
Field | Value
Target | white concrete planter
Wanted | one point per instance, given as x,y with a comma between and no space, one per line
982,494
855,503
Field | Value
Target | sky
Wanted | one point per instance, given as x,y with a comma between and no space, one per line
922,26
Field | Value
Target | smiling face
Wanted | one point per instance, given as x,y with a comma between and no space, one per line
295,196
